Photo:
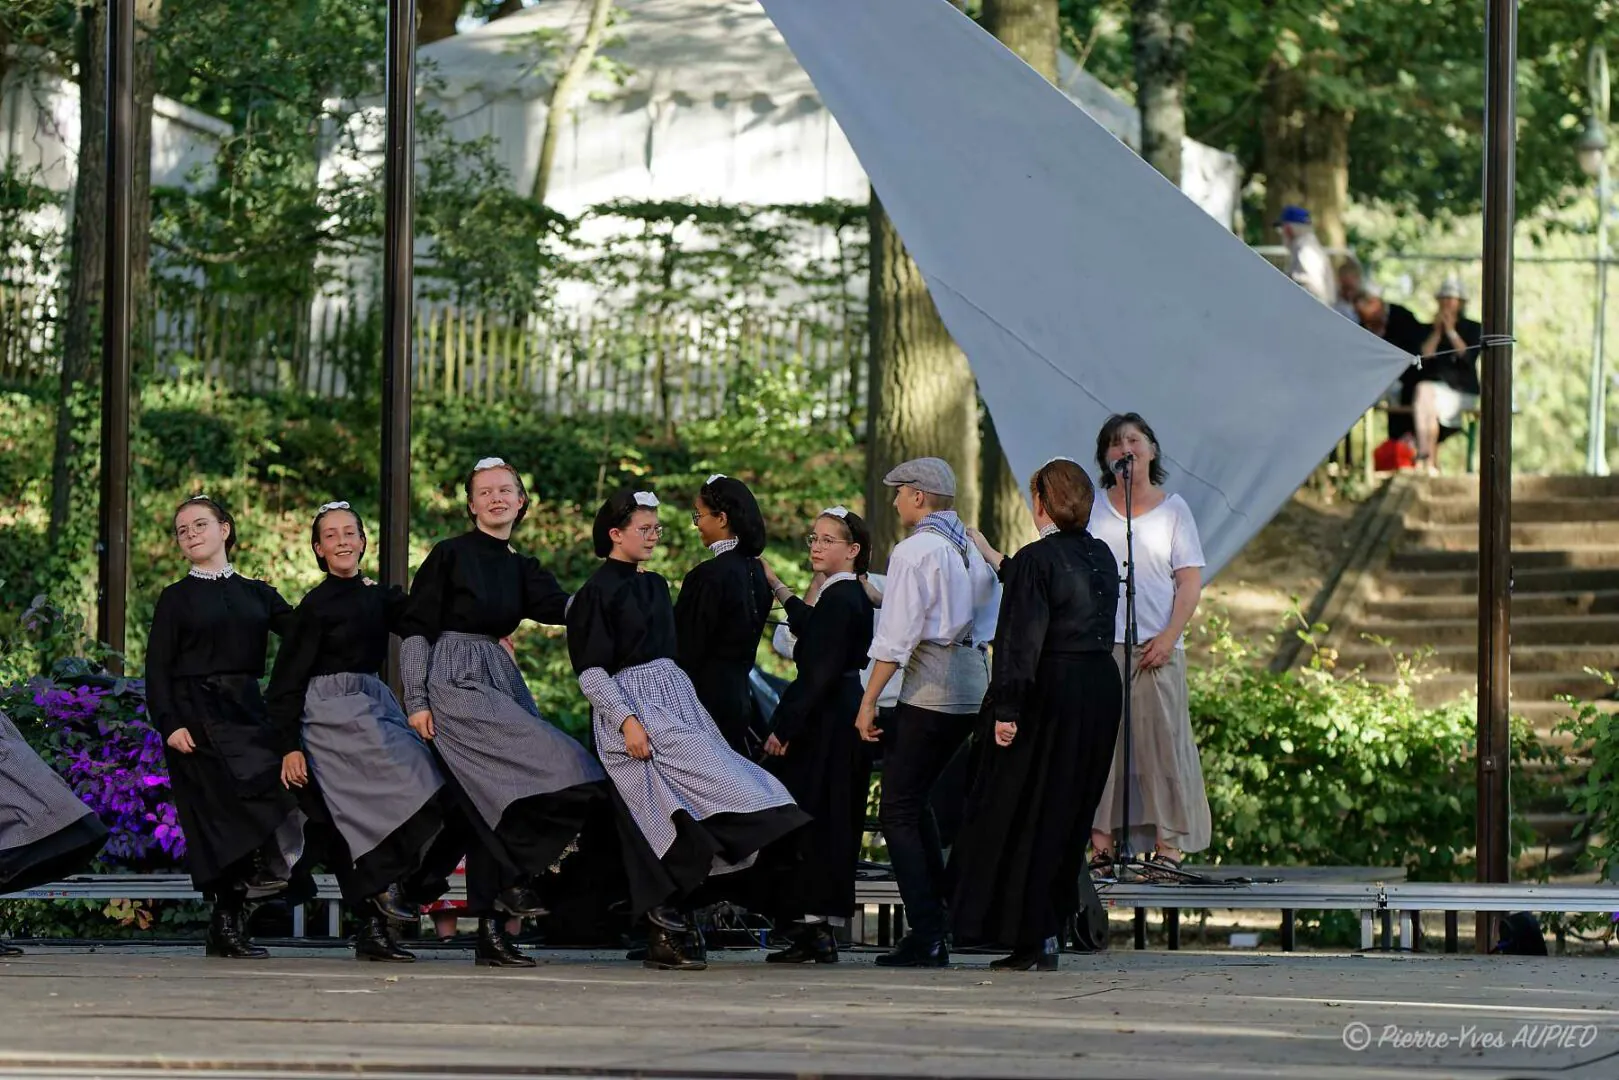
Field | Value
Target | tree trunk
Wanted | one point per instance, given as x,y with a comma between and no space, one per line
564,90
1161,40
435,19
81,345
82,323
922,402
507,7
1031,29
1306,152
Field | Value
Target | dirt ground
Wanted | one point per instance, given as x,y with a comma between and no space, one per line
1280,570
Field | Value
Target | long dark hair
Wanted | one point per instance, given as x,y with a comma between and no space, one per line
1110,431
731,497
314,530
221,515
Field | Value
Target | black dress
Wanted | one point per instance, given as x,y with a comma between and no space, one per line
826,767
719,617
204,659
696,809
524,789
46,832
373,783
1021,850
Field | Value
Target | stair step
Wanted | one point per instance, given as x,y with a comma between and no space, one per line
1523,487
1526,511
1544,716
1525,579
1524,605
1598,557
1463,658
1527,687
1526,630
1553,826
1526,536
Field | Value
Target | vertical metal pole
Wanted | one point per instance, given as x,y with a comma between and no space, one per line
1596,443
398,296
112,555
1495,470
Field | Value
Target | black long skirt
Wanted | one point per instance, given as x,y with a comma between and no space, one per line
1022,847
397,859
827,770
228,791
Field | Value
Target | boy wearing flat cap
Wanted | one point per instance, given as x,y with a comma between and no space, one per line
939,606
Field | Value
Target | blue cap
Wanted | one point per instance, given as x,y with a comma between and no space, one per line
1294,215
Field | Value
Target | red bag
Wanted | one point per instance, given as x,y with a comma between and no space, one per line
1395,454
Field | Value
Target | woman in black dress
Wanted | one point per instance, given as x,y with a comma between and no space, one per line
359,770
814,747
1051,715
690,807
204,658
722,609
524,790
46,833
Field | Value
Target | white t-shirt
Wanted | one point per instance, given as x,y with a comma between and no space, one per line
1165,541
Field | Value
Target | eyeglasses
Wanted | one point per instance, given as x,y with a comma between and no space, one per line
649,532
697,516
183,531
815,540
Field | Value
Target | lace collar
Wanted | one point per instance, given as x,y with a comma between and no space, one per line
213,575
1049,530
720,547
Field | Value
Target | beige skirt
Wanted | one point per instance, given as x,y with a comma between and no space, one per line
1167,802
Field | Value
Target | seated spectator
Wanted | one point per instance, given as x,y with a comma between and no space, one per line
1308,264
1349,288
1445,385
1395,324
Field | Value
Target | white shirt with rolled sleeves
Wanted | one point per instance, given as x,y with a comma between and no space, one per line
930,596
1166,540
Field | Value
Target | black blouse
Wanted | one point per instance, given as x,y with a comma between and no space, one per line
833,637
621,617
202,628
1059,597
341,625
720,615
476,584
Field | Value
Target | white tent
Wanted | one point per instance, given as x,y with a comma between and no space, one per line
1078,281
713,107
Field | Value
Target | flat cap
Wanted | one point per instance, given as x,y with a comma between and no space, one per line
930,474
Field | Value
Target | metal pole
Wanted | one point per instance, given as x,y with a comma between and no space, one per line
112,555
398,296
1596,443
1495,468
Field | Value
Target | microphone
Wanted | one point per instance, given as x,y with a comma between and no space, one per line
1124,463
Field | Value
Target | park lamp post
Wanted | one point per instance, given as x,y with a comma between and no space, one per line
1592,152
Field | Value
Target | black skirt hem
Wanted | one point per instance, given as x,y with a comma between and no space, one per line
63,853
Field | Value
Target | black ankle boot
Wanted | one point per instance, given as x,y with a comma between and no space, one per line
391,905
521,902
8,950
260,881
1041,957
812,944
495,948
915,952
374,941
227,936
669,950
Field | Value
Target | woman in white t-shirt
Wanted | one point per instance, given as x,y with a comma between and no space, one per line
1168,806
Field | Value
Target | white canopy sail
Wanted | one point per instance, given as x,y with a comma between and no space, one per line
1079,281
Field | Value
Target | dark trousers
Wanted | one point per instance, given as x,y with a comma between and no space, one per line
917,746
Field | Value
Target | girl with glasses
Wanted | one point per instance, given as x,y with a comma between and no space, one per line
813,745
690,807
359,770
524,791
204,657
722,609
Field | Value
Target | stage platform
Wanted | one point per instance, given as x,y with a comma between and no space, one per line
131,1011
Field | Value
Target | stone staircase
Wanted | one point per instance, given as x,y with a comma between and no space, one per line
1418,590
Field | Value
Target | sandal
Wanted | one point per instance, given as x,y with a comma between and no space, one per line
1101,866
1160,869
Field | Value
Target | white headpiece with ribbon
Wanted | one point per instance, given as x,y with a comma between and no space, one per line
331,506
716,476
1062,457
839,512
646,499
488,463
